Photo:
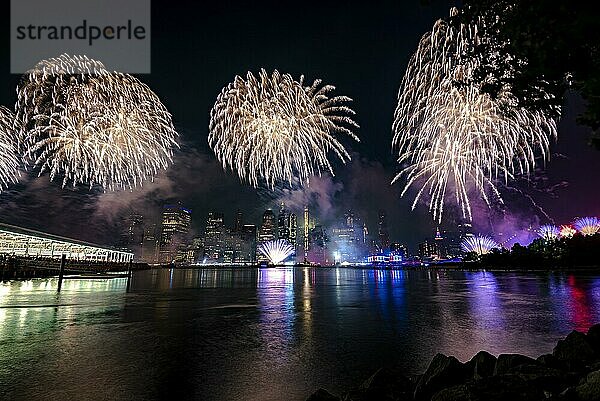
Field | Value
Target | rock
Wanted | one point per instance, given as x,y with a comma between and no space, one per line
550,361
589,387
575,351
483,365
504,387
443,372
461,392
593,337
544,378
387,384
322,395
506,362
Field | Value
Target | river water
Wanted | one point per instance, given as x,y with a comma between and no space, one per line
269,334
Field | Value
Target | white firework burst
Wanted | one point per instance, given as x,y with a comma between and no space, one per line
9,159
587,225
549,232
452,137
479,244
89,125
277,251
273,129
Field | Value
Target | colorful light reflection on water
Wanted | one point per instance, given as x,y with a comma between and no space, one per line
250,334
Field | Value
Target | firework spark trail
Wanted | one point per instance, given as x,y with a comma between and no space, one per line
277,251
275,129
455,138
479,244
549,232
587,225
532,201
9,159
92,126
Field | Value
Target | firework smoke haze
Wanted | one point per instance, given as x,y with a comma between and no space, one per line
452,137
273,129
92,126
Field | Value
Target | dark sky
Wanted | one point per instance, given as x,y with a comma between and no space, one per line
359,47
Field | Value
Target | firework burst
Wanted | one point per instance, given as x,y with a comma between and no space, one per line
275,129
549,232
277,251
587,225
9,160
479,244
567,231
89,125
452,137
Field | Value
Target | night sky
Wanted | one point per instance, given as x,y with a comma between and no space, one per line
363,50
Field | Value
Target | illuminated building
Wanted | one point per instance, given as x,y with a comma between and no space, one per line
306,241
132,238
266,232
248,249
318,252
398,249
287,226
427,250
349,240
384,236
176,221
150,244
20,241
214,237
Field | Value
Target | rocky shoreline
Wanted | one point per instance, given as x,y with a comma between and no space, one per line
570,373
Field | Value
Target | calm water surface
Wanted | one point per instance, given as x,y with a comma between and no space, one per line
271,334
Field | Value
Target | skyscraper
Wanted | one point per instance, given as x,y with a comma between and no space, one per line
267,228
384,236
266,232
214,237
150,244
306,241
283,223
133,234
176,222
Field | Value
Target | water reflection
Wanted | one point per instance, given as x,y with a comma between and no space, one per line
225,333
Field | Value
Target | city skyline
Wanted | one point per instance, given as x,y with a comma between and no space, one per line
196,178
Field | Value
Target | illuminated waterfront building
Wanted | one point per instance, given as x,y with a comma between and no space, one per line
176,222
21,241
306,241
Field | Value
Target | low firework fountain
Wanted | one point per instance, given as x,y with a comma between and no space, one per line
277,251
479,244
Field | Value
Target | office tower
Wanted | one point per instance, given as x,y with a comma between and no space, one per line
306,232
239,222
384,236
267,228
266,233
287,226
175,229
214,234
150,244
248,241
133,234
